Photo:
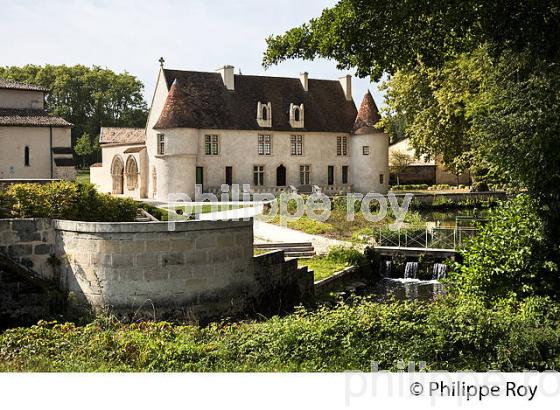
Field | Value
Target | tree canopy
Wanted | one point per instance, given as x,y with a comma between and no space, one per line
377,36
475,82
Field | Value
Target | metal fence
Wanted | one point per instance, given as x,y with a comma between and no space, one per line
429,237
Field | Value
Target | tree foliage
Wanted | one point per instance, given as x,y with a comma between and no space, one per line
508,258
376,37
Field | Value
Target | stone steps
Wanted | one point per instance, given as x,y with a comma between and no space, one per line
291,249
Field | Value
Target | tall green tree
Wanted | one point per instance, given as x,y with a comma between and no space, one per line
88,97
475,81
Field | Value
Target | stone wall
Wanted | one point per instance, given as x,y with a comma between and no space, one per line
198,271
280,284
29,242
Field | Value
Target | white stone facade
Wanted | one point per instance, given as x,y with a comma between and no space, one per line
176,157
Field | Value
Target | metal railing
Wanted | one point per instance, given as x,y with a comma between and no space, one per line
428,238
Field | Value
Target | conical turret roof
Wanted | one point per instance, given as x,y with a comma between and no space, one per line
367,117
175,108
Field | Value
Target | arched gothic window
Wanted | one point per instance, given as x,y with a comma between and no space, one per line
131,173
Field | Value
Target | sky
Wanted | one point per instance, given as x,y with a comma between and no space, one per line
132,35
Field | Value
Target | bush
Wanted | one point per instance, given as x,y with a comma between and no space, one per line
68,200
341,254
449,335
506,258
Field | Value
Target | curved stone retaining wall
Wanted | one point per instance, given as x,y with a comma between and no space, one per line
200,270
200,267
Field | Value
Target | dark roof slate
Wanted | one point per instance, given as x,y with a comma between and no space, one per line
64,162
62,150
30,118
200,100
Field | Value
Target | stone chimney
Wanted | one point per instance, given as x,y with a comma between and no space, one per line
346,83
304,77
227,76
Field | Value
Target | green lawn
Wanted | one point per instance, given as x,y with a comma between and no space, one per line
83,176
322,266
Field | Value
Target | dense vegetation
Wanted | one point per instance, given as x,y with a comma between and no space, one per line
65,200
475,83
497,315
451,334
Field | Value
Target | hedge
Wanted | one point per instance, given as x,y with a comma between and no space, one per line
65,200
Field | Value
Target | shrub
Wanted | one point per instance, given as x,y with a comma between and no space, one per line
341,254
506,258
68,200
450,334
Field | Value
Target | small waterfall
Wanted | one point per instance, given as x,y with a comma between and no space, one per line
411,270
439,271
388,268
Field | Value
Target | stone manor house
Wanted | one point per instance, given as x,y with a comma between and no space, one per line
214,128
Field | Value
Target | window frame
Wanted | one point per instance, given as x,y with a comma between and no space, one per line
345,171
296,145
211,144
258,175
264,144
365,149
305,174
161,145
342,145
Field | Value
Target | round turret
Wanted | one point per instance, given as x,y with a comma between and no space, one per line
370,150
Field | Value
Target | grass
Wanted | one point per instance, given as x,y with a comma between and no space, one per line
322,266
82,176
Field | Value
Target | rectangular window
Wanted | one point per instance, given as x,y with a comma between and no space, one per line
26,156
330,175
296,143
211,146
258,175
341,146
345,174
381,178
304,174
161,144
229,176
265,145
365,149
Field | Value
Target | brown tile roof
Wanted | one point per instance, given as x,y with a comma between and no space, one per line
368,116
121,135
30,118
14,85
200,100
132,150
96,165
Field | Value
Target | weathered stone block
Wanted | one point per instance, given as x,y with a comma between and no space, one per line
205,241
181,244
19,250
121,260
172,258
147,259
100,259
43,249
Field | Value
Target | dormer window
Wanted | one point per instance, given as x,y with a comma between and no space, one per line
264,114
296,115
